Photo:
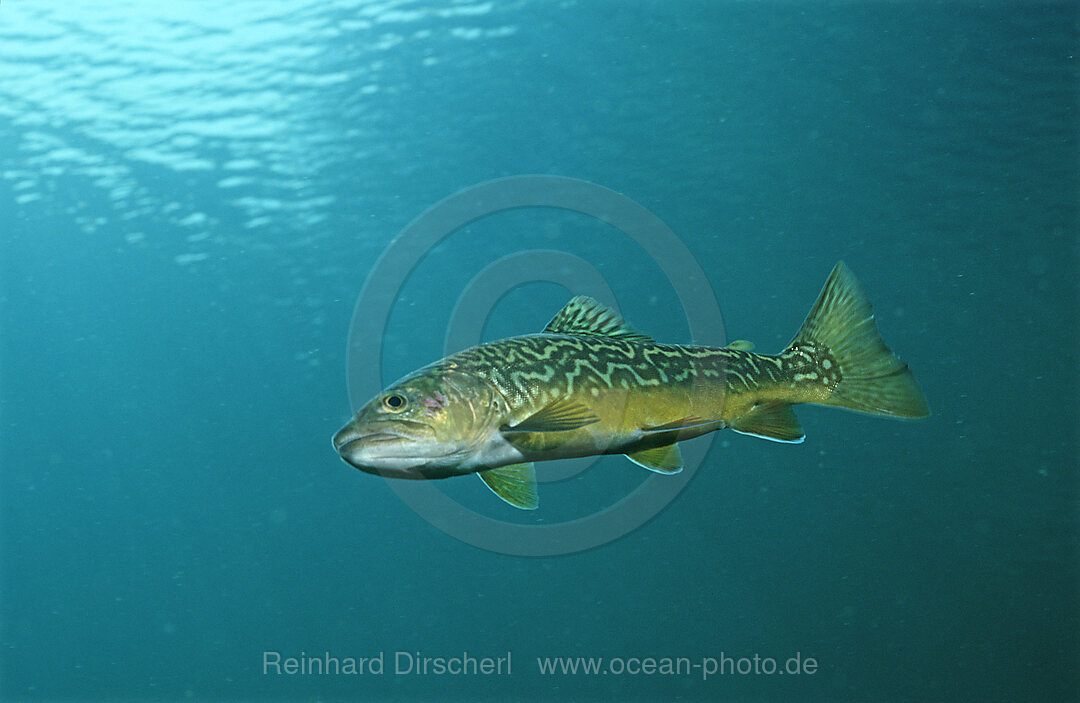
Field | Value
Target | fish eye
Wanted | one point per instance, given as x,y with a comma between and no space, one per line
395,402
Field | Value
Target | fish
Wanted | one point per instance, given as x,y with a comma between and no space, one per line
590,384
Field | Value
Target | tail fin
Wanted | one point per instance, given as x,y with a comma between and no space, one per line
872,379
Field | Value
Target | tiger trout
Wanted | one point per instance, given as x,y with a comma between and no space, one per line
590,384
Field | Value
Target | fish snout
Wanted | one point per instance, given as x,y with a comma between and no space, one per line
378,450
344,436
398,450
350,438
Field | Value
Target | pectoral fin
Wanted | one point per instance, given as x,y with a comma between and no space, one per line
663,460
559,416
516,484
775,421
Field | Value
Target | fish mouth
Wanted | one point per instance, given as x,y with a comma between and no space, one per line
349,441
386,452
374,438
350,435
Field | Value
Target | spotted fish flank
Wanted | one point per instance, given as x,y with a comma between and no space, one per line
590,384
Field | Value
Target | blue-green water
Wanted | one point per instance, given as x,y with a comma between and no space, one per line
192,195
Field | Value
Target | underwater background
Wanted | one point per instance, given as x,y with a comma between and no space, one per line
192,195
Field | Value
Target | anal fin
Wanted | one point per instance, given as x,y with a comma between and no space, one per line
516,484
663,460
775,421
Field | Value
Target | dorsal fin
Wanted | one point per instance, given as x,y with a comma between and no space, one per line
583,315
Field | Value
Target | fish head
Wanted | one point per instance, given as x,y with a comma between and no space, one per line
427,425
